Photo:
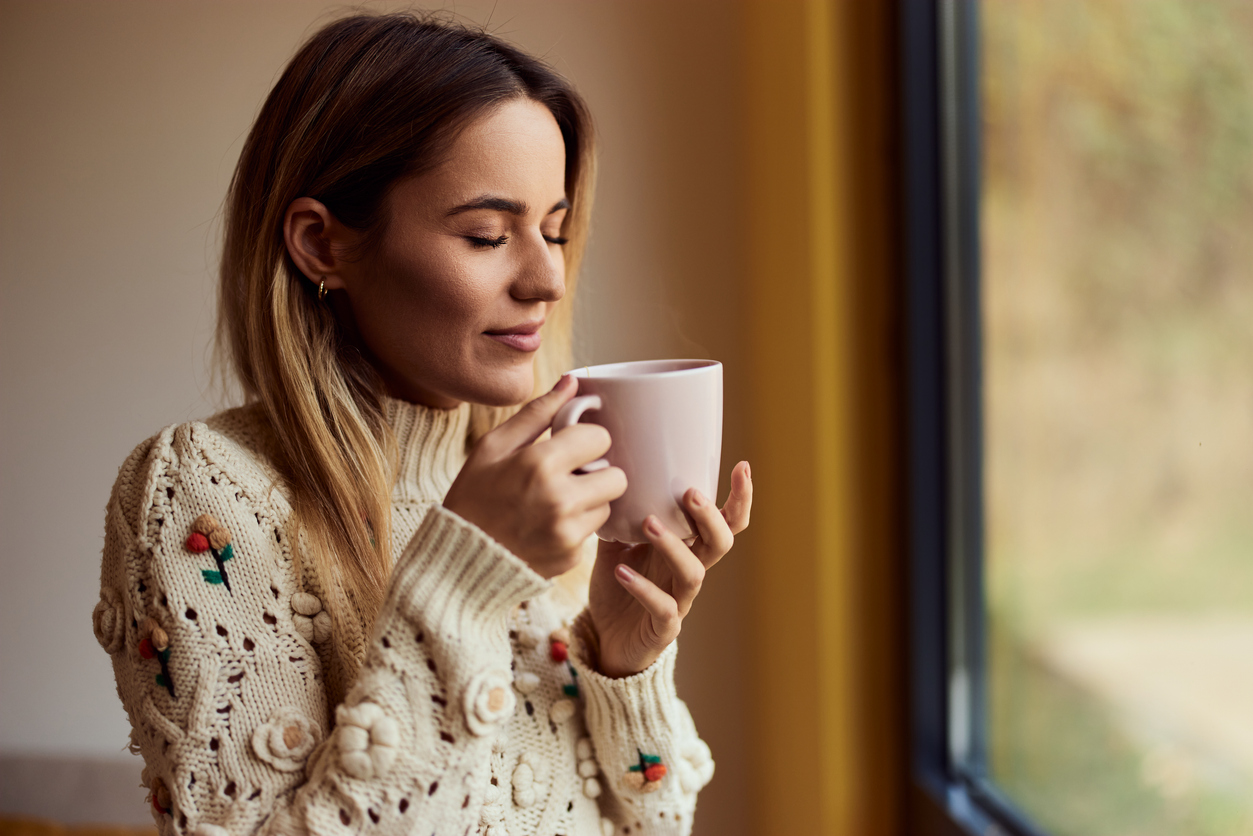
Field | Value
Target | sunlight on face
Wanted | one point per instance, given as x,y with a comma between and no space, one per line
470,265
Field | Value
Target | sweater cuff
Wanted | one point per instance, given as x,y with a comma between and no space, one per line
454,576
634,719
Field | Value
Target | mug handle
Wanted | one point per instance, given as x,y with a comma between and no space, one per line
570,414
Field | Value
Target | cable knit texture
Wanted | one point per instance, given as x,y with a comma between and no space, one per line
465,716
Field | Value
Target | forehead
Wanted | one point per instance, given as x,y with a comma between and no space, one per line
514,151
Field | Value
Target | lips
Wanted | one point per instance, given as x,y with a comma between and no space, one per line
524,337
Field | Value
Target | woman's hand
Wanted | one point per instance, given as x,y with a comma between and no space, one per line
527,496
641,594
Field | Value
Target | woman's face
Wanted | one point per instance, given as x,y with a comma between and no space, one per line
469,265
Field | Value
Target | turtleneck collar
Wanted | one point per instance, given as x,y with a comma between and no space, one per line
432,448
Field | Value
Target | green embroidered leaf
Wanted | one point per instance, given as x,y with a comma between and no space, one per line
227,553
570,690
651,758
211,575
161,680
636,768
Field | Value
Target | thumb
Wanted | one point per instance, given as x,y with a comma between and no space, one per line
531,420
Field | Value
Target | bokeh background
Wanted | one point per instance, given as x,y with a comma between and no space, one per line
120,124
1117,227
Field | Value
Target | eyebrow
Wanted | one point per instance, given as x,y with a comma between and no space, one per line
503,204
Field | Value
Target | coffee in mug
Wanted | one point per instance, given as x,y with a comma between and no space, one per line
664,419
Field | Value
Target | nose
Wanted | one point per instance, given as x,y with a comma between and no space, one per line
541,274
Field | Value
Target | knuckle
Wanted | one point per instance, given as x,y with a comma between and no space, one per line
696,576
670,612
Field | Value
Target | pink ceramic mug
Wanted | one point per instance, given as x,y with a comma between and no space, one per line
665,421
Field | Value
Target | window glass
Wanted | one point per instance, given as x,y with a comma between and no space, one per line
1116,226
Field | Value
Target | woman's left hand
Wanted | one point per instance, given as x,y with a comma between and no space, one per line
640,594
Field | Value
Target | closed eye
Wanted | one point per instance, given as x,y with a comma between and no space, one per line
556,239
487,242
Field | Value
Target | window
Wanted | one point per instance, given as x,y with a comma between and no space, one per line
1079,187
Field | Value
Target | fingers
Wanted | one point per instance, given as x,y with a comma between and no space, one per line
686,569
576,445
530,421
740,501
602,487
715,538
662,608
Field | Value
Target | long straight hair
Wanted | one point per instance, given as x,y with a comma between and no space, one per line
368,101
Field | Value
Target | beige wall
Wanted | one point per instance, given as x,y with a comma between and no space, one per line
119,125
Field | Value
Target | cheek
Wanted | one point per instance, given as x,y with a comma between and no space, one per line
429,293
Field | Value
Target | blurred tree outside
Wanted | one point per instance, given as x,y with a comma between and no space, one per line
1117,235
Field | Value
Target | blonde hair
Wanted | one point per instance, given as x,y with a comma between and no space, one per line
368,100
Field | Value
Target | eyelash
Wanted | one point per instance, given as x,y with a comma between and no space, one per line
493,243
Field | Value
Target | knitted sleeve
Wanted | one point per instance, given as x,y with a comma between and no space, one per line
652,760
218,656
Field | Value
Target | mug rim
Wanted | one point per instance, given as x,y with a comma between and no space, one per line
619,371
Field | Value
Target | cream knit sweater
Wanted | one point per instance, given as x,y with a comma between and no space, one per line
463,718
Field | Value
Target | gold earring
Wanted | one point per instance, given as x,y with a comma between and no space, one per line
322,289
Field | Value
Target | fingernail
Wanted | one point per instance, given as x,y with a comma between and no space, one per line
624,574
653,525
697,499
560,381
748,471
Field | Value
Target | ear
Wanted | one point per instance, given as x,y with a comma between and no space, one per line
315,239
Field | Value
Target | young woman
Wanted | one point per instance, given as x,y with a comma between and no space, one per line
332,610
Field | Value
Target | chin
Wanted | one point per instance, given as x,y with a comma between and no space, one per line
510,390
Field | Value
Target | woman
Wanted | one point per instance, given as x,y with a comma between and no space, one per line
324,614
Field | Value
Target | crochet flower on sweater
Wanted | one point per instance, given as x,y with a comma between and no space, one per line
462,716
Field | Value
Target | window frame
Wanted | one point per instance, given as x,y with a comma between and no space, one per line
950,791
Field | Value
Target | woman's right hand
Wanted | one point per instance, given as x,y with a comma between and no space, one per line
527,496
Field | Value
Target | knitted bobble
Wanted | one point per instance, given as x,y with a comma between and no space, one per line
561,711
561,634
161,801
285,740
321,627
147,626
154,643
695,766
559,651
588,769
204,523
304,627
526,682
205,829
607,827
367,740
583,749
646,776
488,700
306,604
529,637
108,620
591,788
208,534
524,785
218,538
